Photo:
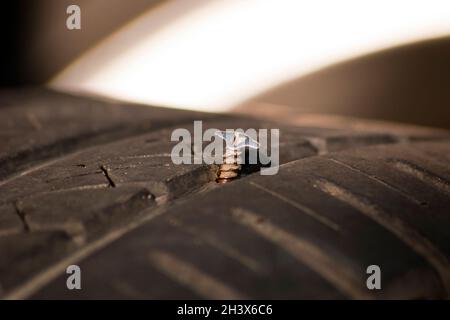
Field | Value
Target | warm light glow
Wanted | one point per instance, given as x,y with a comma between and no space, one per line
220,53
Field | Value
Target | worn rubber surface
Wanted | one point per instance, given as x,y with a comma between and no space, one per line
91,183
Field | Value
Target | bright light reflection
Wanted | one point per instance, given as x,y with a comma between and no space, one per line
224,52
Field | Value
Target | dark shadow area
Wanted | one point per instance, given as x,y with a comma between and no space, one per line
11,29
36,43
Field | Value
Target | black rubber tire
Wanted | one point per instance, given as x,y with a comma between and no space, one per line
90,183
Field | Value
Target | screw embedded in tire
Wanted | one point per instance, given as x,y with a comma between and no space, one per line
236,142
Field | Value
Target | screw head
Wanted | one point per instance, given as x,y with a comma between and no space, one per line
236,140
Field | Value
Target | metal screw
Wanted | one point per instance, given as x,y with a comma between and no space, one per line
236,142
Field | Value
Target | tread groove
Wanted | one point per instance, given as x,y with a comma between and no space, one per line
203,236
378,180
192,277
422,174
323,220
398,227
333,270
108,177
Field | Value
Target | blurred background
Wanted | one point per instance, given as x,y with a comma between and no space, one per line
387,60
